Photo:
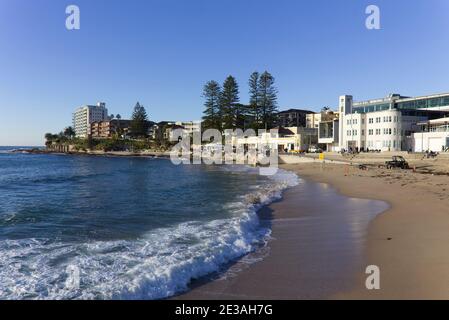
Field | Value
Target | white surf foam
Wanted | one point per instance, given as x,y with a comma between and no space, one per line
159,265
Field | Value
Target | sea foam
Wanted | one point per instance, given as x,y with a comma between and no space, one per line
158,265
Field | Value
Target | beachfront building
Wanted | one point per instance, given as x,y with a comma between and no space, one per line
384,124
313,120
107,129
85,115
168,134
293,118
434,136
328,130
190,126
164,130
284,140
158,131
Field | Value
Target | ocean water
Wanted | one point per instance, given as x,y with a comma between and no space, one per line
77,227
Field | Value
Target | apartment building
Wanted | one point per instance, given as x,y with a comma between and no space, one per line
313,120
106,129
190,126
157,131
293,118
85,115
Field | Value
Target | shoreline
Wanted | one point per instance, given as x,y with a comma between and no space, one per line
303,237
408,241
154,154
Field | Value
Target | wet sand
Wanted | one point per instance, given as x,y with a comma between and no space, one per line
410,241
316,251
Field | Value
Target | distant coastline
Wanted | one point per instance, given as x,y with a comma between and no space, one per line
94,153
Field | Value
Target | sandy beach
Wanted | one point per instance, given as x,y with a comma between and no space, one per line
321,247
409,241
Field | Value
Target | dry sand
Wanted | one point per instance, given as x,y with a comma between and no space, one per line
322,245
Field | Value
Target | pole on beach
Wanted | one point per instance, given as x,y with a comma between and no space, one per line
321,157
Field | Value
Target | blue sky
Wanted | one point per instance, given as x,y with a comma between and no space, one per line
161,53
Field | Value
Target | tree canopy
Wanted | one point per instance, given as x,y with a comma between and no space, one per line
229,103
211,113
223,109
139,121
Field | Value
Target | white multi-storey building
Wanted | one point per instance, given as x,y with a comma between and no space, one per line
383,124
287,139
313,120
329,130
190,126
85,115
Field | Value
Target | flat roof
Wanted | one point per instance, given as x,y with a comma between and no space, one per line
369,102
433,96
435,121
397,98
296,110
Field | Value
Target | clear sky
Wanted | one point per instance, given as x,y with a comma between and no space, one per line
161,53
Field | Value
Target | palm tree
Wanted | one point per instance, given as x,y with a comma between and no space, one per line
48,139
69,132
48,136
118,117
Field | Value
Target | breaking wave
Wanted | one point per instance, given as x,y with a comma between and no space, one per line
159,264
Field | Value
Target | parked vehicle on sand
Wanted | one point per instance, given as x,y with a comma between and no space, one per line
397,162
314,149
